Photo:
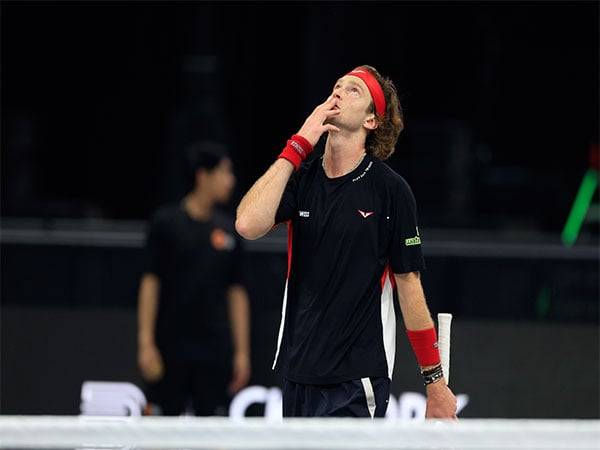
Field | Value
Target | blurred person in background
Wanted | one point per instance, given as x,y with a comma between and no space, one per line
193,311
353,240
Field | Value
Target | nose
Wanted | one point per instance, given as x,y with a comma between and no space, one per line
336,92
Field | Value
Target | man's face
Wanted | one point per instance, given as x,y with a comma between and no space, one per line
219,181
353,100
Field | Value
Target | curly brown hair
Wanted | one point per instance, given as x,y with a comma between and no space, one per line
381,141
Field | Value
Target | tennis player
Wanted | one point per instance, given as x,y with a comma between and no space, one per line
352,241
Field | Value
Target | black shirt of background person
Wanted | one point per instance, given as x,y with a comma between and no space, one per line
196,262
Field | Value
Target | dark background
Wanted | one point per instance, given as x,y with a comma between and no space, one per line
501,99
99,101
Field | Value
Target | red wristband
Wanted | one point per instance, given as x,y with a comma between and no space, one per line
296,150
425,346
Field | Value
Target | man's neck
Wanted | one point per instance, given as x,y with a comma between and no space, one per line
198,205
343,152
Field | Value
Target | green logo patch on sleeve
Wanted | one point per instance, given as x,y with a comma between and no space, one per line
412,241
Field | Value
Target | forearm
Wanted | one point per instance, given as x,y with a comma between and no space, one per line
256,212
441,403
239,319
413,305
147,309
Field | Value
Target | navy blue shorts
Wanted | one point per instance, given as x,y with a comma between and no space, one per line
365,397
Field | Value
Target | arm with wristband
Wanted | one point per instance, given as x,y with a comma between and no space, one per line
441,402
256,212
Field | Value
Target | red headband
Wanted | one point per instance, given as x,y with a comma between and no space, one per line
374,88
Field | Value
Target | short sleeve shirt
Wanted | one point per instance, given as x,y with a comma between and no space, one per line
196,262
348,236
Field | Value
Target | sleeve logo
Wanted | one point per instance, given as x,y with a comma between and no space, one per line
413,240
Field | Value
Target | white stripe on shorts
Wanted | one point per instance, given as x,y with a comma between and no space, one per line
368,387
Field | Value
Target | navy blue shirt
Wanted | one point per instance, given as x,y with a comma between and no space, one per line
347,237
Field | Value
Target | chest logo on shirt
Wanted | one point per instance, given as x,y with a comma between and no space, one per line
221,241
366,214
304,213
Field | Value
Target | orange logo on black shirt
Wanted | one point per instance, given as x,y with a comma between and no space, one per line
221,240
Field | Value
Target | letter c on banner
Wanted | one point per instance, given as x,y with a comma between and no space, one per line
256,394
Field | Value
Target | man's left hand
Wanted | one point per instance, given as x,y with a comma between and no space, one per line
441,402
241,373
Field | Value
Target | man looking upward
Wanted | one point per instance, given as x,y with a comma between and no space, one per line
352,240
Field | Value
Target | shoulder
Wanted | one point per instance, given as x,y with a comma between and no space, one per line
308,167
390,179
166,214
304,176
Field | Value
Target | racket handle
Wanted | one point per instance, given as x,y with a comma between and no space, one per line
444,323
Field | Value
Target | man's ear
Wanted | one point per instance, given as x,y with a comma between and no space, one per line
371,122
